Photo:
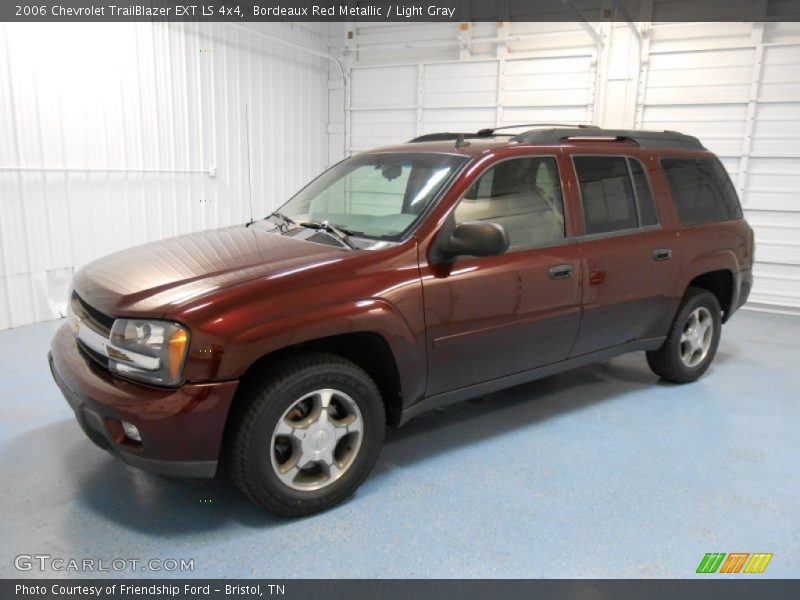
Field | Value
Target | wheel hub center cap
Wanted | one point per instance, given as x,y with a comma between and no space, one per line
320,440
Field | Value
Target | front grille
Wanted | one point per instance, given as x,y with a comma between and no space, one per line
95,320
95,356
99,321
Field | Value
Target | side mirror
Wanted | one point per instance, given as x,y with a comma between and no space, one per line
473,238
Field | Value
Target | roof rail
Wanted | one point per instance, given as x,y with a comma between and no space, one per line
671,140
446,136
490,131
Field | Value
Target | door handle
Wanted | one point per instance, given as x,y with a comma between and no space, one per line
662,254
597,277
561,271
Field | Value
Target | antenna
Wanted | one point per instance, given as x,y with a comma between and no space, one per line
249,162
460,141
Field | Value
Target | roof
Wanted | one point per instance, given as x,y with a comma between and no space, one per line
471,144
671,140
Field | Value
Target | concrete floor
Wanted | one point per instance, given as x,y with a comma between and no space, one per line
601,472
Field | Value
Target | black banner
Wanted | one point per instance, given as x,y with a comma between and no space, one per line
398,10
310,589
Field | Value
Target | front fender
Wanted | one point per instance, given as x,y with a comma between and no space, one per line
369,315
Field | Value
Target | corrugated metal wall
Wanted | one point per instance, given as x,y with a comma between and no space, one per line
734,85
120,134
126,133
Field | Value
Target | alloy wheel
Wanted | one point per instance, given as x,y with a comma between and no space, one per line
698,331
316,440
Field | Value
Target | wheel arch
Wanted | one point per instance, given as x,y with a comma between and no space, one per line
717,273
367,349
721,284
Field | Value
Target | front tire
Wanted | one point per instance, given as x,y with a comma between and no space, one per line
309,435
692,340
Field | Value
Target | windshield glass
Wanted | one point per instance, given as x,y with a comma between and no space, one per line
376,195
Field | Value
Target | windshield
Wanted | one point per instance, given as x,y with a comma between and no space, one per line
375,195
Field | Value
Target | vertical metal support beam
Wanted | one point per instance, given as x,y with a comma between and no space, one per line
591,108
351,56
464,41
641,80
420,98
757,37
351,39
629,116
598,75
646,15
502,39
620,8
347,99
581,20
501,89
501,53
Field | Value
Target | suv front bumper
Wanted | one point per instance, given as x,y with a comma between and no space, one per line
181,428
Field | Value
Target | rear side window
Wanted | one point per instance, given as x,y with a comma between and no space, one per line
702,190
615,194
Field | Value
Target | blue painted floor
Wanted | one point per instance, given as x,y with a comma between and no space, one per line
601,472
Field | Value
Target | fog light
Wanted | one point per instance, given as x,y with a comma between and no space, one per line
131,431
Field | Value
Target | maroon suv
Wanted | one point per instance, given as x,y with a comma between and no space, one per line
400,280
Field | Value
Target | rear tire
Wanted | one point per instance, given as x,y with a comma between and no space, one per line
692,340
308,436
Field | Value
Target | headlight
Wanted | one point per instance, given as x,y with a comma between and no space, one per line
150,351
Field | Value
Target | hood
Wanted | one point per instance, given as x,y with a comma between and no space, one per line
158,277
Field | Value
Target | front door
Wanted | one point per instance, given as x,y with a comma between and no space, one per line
494,316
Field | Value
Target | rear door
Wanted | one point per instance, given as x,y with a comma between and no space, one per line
628,258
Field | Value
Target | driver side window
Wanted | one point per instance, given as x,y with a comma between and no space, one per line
521,194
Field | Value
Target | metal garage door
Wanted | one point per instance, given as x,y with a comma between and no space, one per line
772,184
743,102
391,104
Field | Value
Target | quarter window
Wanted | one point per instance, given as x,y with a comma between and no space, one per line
523,195
644,196
615,194
702,190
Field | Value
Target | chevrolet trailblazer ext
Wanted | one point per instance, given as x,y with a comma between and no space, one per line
397,281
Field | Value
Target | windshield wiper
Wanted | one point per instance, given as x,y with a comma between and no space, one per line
285,221
343,235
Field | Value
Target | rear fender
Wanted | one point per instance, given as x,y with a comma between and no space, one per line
717,260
